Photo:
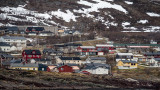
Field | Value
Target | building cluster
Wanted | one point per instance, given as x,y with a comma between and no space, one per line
37,31
73,57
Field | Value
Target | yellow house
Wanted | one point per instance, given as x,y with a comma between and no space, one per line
126,64
29,66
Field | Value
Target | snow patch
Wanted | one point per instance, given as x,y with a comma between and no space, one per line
143,21
100,5
65,16
1,24
127,2
153,14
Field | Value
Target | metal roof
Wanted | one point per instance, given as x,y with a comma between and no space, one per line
125,54
24,65
123,45
14,37
4,44
97,58
87,47
128,61
69,58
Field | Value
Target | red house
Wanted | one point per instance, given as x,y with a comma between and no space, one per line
31,54
102,49
65,68
86,50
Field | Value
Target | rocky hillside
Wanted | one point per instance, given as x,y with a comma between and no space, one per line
119,15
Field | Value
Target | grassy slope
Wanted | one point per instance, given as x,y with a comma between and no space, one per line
10,79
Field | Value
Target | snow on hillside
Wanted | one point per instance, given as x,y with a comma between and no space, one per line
153,14
127,2
143,21
100,5
65,16
22,14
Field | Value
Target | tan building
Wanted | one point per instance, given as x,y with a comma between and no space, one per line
68,60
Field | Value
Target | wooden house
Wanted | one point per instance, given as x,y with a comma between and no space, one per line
31,54
103,49
126,64
65,68
86,50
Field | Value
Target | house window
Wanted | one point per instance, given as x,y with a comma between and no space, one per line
62,69
29,55
132,63
42,69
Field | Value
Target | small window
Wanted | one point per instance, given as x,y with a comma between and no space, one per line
42,69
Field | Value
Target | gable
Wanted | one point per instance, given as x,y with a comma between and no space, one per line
32,52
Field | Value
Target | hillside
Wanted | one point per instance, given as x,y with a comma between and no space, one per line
19,79
113,15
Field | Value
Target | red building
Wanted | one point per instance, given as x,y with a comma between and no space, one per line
31,54
102,49
86,50
65,68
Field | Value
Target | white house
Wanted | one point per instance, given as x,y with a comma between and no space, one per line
124,56
96,68
14,40
5,47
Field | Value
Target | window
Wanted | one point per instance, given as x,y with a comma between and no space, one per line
42,69
62,69
29,55
133,64
33,68
28,68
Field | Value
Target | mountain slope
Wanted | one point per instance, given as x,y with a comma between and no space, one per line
122,15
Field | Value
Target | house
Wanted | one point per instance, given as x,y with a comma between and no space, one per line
152,54
61,32
35,29
96,60
6,57
52,52
32,33
103,49
71,32
12,30
68,60
72,46
86,50
29,66
155,62
126,64
7,63
44,61
2,30
65,68
46,33
124,56
5,47
96,68
31,54
48,51
14,40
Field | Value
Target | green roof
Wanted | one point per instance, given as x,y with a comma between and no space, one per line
123,45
